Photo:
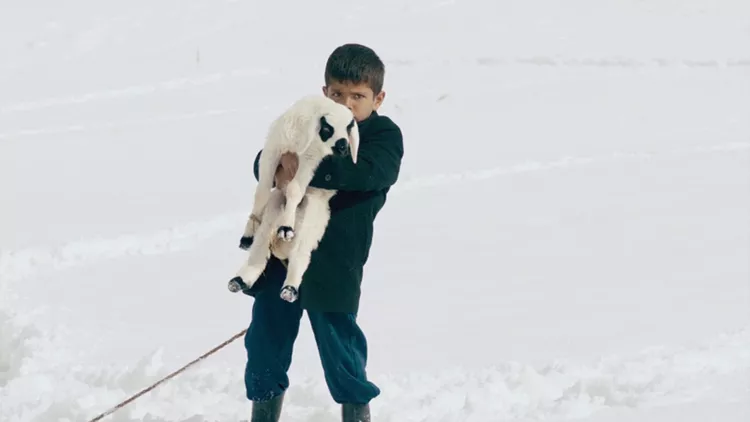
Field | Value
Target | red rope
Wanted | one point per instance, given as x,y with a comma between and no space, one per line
146,390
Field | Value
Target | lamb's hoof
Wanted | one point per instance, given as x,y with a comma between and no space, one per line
289,294
236,284
285,233
245,242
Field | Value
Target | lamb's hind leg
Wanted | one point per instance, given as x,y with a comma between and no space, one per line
269,159
259,250
312,226
253,222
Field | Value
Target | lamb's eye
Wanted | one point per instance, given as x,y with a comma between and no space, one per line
326,130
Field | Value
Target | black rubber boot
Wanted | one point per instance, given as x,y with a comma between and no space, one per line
267,411
355,412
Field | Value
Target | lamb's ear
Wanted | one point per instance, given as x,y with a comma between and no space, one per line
313,130
353,131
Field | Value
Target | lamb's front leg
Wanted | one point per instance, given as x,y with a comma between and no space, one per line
294,195
295,191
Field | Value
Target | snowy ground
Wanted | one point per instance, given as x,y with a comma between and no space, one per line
601,272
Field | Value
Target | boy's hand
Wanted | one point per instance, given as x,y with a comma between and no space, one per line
286,169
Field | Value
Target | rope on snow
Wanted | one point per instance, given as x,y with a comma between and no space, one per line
146,390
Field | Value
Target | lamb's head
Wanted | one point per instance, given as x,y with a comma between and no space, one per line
337,129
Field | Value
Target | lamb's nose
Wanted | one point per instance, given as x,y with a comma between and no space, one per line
342,146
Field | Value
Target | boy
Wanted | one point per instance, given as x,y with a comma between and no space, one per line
330,289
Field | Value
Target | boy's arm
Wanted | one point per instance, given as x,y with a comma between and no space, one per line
378,164
282,174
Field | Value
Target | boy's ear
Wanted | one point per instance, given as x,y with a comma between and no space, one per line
379,100
325,90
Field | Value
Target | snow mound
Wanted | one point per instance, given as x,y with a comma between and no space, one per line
511,391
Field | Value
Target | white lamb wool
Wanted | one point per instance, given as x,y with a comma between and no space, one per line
290,222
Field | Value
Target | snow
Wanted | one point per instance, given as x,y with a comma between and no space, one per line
569,238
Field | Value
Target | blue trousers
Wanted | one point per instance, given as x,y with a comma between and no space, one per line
270,339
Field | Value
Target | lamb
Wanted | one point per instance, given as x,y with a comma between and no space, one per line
312,128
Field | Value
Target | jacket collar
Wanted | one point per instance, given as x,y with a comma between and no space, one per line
364,123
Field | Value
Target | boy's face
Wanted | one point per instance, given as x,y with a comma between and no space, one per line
359,98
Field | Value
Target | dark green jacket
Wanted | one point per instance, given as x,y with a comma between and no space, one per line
333,278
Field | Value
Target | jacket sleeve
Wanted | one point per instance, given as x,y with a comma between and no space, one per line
378,164
256,166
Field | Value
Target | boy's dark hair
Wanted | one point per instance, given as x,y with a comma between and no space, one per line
357,64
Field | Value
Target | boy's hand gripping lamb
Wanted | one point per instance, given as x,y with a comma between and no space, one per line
289,221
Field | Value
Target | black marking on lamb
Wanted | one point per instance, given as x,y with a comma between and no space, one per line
326,130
